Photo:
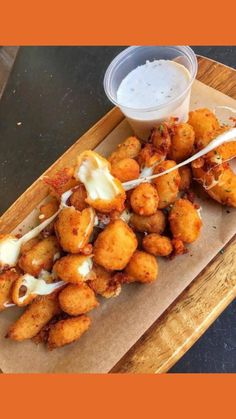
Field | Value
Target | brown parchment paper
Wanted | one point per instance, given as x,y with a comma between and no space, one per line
119,322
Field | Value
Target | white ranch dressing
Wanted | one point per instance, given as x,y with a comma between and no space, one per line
153,84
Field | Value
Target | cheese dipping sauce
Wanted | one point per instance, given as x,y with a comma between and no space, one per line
151,93
153,84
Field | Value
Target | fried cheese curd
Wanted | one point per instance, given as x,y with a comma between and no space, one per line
157,149
114,246
155,223
7,279
185,223
185,178
129,149
105,282
74,268
78,198
182,142
40,256
34,318
76,299
157,245
142,267
125,169
105,193
167,185
67,331
73,229
205,124
144,199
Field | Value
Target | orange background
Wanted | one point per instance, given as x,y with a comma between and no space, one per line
117,23
107,22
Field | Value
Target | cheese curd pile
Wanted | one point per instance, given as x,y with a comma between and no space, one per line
94,236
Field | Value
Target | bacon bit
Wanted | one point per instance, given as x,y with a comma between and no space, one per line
190,195
179,248
75,231
18,236
87,250
62,180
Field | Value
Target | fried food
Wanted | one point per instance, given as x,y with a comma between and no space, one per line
29,244
73,268
144,199
104,192
73,228
155,223
34,318
61,181
182,142
205,124
7,280
130,148
78,198
185,223
185,178
160,138
77,299
67,331
125,170
105,282
40,256
48,209
219,182
142,267
149,156
157,245
114,246
167,185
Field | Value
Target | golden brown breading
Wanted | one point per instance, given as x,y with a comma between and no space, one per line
157,245
182,142
41,256
167,185
114,246
128,149
185,178
105,282
155,223
149,156
144,199
204,123
160,138
77,299
36,315
142,267
73,268
67,331
29,244
7,280
185,223
48,209
73,228
125,170
78,198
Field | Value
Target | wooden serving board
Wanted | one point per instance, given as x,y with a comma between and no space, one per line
207,296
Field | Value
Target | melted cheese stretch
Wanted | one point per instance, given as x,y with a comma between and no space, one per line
85,267
38,286
94,172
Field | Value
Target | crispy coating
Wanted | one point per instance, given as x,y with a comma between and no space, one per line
167,185
34,318
157,245
130,148
29,244
48,209
178,247
73,268
67,331
161,139
105,282
219,182
61,181
125,170
227,151
78,198
77,299
182,142
40,256
149,156
7,280
142,267
185,178
114,246
205,124
155,223
185,223
73,228
144,199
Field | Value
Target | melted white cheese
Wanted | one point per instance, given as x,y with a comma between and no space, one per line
38,286
85,267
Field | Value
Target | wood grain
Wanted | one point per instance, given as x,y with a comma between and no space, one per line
207,296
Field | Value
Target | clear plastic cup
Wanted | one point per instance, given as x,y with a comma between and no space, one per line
143,120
